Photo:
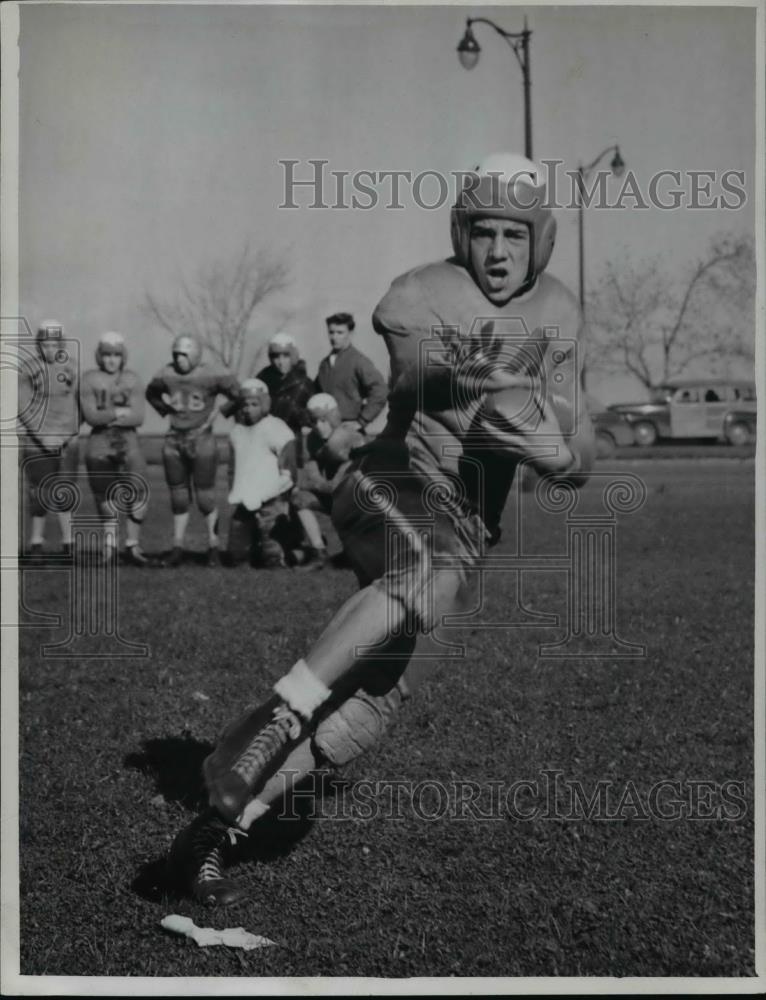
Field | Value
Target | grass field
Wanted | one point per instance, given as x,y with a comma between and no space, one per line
111,747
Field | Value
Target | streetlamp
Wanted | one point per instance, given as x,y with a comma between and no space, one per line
469,50
617,167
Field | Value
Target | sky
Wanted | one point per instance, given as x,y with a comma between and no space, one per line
151,135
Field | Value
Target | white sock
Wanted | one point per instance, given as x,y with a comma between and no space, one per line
133,533
65,523
179,528
110,533
302,690
211,520
38,530
252,811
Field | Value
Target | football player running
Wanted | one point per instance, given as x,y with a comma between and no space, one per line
112,402
485,376
186,391
49,418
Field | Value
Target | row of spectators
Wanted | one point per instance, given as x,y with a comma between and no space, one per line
290,440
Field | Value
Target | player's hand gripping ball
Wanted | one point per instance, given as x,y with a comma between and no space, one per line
521,422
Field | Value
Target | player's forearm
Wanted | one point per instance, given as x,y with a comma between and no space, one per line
95,415
134,413
154,393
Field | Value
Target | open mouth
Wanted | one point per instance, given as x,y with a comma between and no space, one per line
497,272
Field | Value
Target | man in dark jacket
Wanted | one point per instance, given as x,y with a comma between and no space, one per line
349,376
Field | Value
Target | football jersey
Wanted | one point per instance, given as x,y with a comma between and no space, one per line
48,400
101,394
435,319
257,476
189,398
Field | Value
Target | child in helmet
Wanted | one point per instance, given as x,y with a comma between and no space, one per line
329,447
49,422
112,402
261,473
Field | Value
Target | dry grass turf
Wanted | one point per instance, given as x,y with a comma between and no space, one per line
111,747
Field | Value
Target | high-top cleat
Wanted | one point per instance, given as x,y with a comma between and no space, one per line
196,862
213,556
250,751
133,556
314,560
176,557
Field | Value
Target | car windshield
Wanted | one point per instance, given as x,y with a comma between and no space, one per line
661,393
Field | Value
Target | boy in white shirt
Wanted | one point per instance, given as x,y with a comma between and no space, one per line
261,455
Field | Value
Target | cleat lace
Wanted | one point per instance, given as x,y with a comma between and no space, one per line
207,845
284,726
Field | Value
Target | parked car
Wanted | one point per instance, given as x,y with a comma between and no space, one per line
612,429
694,408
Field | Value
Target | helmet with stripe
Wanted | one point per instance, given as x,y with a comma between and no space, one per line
506,186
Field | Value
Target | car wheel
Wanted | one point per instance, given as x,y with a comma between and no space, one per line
645,433
738,434
605,445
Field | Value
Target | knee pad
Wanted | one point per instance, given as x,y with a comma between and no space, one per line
179,499
206,500
357,725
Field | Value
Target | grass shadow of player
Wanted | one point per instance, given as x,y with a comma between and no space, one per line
175,765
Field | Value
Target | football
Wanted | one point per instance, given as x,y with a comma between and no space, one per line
520,422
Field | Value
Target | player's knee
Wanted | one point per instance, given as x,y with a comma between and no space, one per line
357,725
437,596
179,499
206,500
302,500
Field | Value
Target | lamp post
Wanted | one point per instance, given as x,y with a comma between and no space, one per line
469,50
617,167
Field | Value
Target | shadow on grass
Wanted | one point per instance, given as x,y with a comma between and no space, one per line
175,765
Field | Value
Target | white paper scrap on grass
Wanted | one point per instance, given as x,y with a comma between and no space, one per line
231,937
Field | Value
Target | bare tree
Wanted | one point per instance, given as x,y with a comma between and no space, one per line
646,321
219,303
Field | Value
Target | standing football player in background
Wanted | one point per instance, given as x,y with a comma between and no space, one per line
49,415
186,391
485,375
112,401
